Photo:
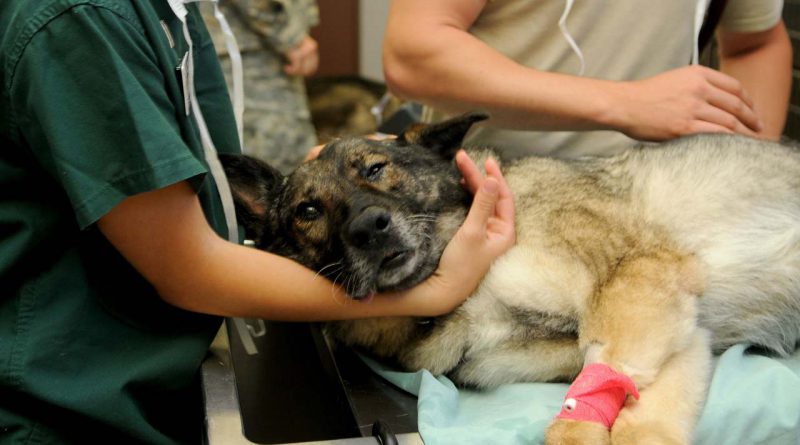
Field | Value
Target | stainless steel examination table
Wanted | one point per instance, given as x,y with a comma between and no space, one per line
298,389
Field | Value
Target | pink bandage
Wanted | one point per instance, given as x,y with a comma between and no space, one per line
597,395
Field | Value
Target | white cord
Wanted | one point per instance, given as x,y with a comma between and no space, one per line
562,25
236,70
699,18
214,166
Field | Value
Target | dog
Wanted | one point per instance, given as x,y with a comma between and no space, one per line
648,261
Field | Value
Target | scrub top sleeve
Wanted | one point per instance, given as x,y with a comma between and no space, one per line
91,103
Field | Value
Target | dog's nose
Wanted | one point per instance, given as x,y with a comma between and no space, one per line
370,227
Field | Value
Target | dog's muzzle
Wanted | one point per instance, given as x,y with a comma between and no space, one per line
370,229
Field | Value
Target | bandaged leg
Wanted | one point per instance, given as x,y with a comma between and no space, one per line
641,318
669,408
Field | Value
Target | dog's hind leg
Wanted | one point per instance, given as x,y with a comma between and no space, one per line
637,322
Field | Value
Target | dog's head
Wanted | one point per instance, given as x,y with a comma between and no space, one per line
370,215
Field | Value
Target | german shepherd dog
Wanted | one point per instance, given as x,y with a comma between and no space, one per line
646,262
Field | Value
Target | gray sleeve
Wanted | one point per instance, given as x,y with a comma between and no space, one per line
751,15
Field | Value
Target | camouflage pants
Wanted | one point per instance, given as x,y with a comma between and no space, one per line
277,122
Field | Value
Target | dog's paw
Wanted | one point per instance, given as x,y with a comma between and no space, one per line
628,431
571,432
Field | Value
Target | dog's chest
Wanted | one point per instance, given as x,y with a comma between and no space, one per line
521,300
533,278
503,325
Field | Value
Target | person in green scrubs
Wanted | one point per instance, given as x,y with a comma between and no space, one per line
113,270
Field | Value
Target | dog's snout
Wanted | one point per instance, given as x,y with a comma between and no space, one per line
370,227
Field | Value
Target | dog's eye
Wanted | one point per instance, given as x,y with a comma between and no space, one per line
374,170
307,211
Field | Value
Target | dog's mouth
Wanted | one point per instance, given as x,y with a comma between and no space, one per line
406,257
392,269
395,259
399,267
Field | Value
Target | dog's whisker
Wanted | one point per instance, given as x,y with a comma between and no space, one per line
333,290
333,282
332,271
337,263
347,283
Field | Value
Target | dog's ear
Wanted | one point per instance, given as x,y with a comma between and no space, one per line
445,137
255,186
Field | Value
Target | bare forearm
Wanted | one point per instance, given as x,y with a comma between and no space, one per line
765,72
432,59
429,56
242,281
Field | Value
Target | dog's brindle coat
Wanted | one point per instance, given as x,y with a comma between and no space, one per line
646,261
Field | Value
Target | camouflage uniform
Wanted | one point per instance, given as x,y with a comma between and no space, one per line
277,122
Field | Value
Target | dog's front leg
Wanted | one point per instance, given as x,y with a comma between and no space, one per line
669,407
639,328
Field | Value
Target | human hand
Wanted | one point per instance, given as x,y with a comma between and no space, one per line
491,217
693,99
487,232
314,152
303,59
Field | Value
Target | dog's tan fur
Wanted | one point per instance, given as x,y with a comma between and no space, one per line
647,262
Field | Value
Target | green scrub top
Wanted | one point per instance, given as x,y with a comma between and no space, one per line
92,112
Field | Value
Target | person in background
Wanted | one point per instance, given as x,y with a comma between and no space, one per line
572,78
115,264
277,54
